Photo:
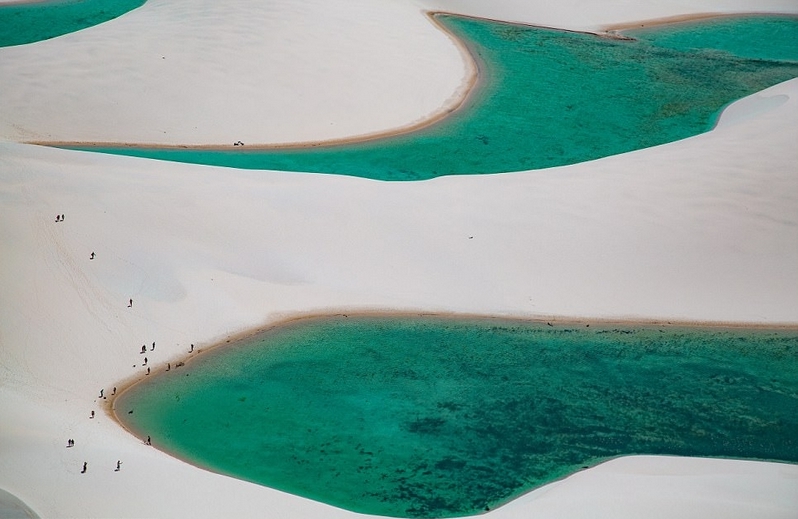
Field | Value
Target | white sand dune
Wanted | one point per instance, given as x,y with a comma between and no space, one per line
698,230
200,72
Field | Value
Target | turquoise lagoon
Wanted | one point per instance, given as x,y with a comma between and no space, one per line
434,417
550,97
37,21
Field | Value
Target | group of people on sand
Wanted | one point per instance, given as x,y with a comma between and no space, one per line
146,359
71,443
61,218
148,441
86,466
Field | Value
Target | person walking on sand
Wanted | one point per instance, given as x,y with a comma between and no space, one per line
92,255
143,348
114,391
192,349
130,304
85,467
149,441
145,361
57,218
153,346
92,414
101,393
118,465
148,371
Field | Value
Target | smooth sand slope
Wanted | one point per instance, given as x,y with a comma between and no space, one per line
702,229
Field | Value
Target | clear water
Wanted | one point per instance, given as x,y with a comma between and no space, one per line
549,98
428,417
32,22
760,37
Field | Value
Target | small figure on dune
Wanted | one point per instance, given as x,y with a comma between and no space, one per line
92,415
70,443
57,218
192,349
92,255
153,346
145,361
168,366
118,466
101,393
149,441
130,304
85,467
148,371
143,348
114,391
62,218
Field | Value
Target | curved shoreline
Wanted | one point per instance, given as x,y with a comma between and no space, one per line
458,101
698,230
293,319
243,337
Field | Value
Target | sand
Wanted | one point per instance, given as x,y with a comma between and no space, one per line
699,230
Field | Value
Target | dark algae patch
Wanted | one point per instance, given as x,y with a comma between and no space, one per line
550,98
429,417
31,22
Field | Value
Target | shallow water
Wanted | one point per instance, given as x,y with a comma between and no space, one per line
549,98
761,37
32,22
428,417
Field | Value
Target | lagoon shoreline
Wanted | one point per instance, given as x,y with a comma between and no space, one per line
552,320
458,101
697,230
540,323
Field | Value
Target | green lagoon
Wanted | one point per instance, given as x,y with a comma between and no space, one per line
550,97
31,22
435,417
